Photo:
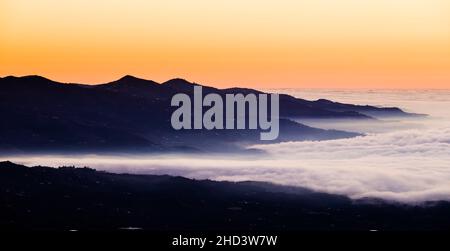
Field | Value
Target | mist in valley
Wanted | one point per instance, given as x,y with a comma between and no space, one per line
404,160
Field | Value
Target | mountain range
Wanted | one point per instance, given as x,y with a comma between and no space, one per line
133,115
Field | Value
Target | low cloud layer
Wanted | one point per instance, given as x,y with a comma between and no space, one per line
406,166
396,164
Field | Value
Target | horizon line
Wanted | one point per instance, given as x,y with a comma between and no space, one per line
198,83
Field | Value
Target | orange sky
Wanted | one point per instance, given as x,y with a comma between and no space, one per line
254,43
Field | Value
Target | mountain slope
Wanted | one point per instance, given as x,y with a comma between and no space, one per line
130,114
44,198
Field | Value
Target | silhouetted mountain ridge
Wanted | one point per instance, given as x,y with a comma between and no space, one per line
133,114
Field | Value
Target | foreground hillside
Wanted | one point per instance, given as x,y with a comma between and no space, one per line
43,198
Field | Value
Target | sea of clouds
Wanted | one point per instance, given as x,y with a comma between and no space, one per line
408,166
398,164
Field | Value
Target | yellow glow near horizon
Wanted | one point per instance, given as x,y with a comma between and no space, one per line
254,43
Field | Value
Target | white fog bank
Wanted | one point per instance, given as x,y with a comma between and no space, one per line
412,166
399,163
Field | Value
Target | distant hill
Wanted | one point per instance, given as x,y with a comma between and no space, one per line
133,114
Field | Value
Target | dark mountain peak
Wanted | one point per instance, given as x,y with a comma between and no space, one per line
29,82
324,101
178,82
134,87
27,78
179,85
129,78
8,77
242,90
10,165
130,82
35,77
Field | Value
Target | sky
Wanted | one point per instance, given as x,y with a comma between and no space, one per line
252,43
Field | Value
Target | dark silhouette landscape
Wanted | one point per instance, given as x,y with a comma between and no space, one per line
68,198
133,115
